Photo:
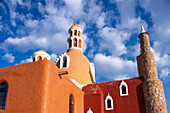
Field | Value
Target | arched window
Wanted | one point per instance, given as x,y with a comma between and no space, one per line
75,42
79,34
3,95
65,61
75,32
39,58
71,33
123,89
70,43
79,43
71,104
109,102
58,63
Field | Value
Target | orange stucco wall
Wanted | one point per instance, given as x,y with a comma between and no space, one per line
79,67
36,88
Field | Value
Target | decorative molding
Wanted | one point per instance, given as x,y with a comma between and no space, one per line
106,102
120,88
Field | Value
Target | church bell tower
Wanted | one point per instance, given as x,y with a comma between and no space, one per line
75,40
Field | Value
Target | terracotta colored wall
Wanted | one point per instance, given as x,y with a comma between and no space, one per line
59,90
133,103
36,88
79,68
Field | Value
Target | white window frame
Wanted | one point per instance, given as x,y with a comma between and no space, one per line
120,88
106,99
61,60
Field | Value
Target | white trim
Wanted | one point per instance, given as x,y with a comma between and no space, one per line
106,99
42,54
76,83
120,88
92,69
75,28
61,60
89,111
75,48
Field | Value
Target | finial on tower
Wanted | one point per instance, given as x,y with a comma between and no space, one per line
143,30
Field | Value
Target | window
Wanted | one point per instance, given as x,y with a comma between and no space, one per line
75,32
3,95
108,103
58,63
64,61
71,33
71,104
75,42
79,43
39,58
123,89
70,43
79,34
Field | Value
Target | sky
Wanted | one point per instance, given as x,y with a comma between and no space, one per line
110,33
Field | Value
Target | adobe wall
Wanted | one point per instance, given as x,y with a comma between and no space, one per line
58,92
26,83
36,88
132,103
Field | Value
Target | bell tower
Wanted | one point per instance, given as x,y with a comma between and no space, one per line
152,87
74,40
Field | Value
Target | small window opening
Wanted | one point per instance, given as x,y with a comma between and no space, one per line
109,103
79,34
79,43
71,33
71,104
58,63
3,95
39,58
64,61
75,33
124,90
70,43
75,42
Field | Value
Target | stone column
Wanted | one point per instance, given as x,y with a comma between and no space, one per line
152,87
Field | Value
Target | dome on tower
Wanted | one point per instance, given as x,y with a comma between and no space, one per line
78,67
41,55
75,25
74,61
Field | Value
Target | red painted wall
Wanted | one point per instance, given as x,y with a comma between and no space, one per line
133,103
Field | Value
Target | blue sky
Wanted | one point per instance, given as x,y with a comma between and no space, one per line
110,33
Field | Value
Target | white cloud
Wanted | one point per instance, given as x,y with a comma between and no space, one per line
161,20
9,58
26,60
75,6
164,73
113,40
112,67
53,57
